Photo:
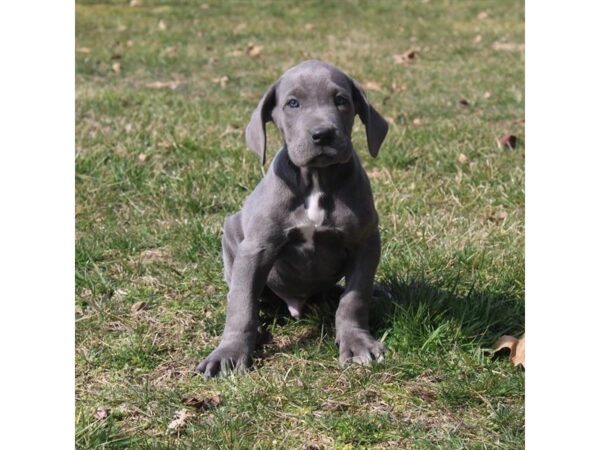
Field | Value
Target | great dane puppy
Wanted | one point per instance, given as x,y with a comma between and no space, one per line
310,221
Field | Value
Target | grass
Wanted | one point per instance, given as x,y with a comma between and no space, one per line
158,169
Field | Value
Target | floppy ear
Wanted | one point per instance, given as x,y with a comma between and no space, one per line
375,125
256,137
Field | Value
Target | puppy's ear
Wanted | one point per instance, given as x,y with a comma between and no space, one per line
375,125
256,137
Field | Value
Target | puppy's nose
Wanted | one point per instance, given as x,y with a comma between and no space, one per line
322,135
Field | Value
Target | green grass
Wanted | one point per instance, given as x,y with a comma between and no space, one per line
148,227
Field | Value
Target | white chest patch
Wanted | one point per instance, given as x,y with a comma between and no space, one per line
315,213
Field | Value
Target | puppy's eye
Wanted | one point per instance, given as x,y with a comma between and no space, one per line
340,101
293,103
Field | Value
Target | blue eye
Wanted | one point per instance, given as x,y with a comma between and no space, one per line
293,103
339,100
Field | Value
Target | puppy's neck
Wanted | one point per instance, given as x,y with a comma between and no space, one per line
326,179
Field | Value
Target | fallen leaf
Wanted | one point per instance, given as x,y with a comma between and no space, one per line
135,3
204,6
84,50
508,46
477,39
171,84
254,50
498,216
408,56
119,294
221,81
487,94
308,26
398,87
181,418
116,67
418,121
463,102
142,157
508,141
372,86
162,26
138,306
203,404
482,15
236,53
516,347
462,158
101,413
129,42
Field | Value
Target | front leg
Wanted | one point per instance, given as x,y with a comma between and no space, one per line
249,272
351,319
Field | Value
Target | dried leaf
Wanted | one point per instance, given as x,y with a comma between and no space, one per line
477,39
142,157
119,294
84,50
417,121
101,413
116,67
498,216
181,418
482,15
407,57
221,81
236,53
153,254
138,306
487,94
463,102
516,347
508,46
129,43
508,141
372,86
254,50
171,84
462,158
135,3
202,404
162,26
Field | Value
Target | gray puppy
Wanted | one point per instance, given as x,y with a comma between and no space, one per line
310,221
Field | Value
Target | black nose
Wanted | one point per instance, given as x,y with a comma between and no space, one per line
322,135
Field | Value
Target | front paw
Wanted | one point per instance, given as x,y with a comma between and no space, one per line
232,356
357,345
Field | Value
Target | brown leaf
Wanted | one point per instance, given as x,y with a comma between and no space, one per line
417,121
162,26
508,46
498,216
487,94
508,141
462,158
129,42
116,67
135,3
138,306
516,347
84,50
171,84
142,157
101,413
253,49
407,57
477,39
482,15
463,102
236,53
202,404
180,420
221,81
372,86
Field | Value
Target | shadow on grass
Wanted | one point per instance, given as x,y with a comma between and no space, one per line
410,316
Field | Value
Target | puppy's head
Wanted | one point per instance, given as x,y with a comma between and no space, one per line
313,105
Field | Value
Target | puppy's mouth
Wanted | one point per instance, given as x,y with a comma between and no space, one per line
327,156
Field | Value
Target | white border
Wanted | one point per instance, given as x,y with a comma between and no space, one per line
37,224
562,225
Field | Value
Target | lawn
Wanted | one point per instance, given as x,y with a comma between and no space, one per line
164,91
